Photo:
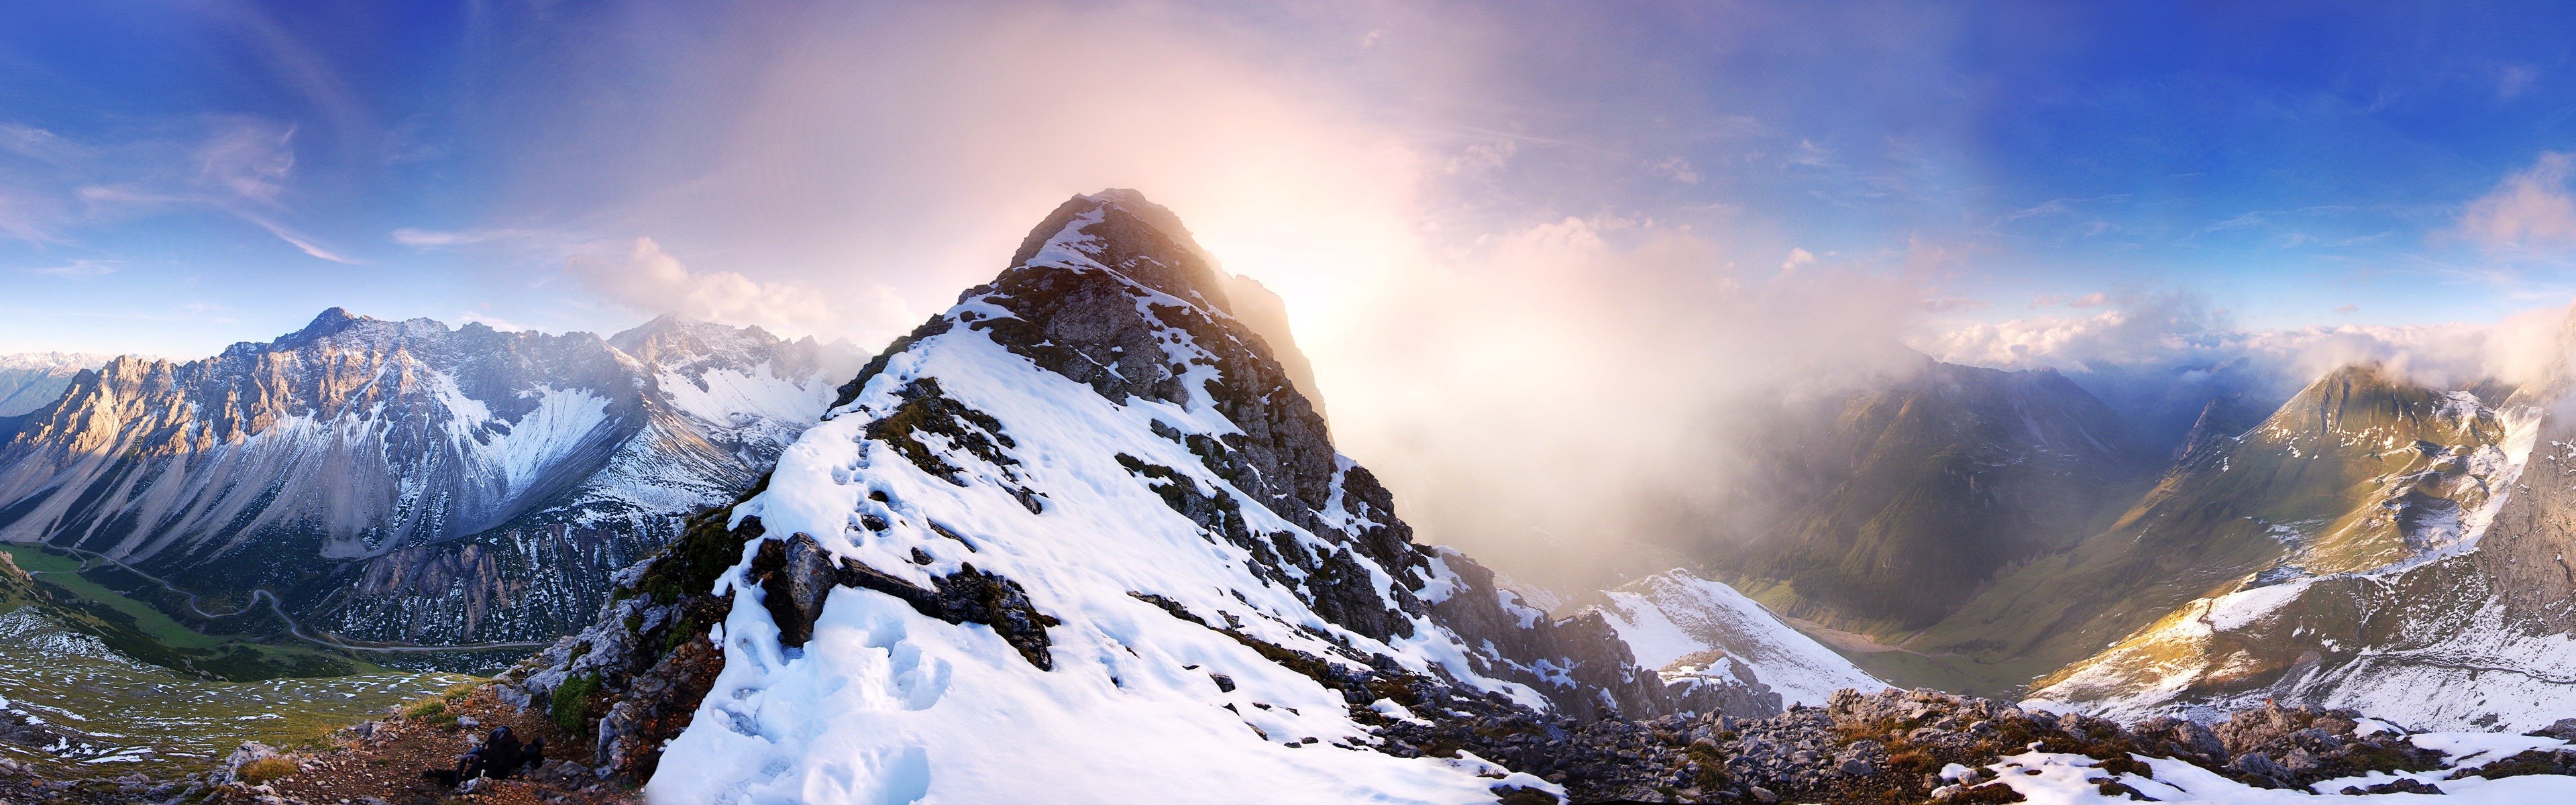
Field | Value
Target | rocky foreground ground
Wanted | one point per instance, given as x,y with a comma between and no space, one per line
1885,747
371,763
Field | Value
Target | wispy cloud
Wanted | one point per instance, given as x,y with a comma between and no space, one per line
2530,209
648,280
426,239
2095,299
2513,79
1676,169
76,268
234,165
297,239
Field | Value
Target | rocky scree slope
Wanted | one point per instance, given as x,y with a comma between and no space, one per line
405,481
1079,523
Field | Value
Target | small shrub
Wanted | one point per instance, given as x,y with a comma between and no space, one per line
2123,765
261,771
1988,793
2537,761
570,704
1516,795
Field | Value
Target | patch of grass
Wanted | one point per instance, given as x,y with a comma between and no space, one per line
64,572
2368,757
705,549
1990,792
263,770
425,709
1712,766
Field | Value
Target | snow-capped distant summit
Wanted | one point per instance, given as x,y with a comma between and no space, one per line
29,380
1085,522
1684,626
404,480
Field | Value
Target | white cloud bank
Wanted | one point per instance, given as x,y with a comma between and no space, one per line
2180,331
647,280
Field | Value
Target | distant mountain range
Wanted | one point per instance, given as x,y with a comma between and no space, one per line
2369,542
405,481
31,380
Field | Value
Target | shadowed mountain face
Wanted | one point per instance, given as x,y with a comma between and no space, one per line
401,480
1885,509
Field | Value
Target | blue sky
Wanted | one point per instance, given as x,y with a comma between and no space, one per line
178,176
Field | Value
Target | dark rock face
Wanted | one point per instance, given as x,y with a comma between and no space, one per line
648,656
794,577
1110,330
1093,328
966,596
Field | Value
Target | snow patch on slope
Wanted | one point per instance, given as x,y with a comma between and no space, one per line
519,453
2052,778
737,397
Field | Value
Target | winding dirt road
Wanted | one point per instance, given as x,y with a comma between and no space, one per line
292,626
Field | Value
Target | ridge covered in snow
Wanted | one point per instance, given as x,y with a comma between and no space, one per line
1686,626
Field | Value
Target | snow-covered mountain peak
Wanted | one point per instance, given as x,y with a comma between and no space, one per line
1087,500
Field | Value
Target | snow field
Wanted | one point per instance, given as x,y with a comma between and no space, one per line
2048,778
